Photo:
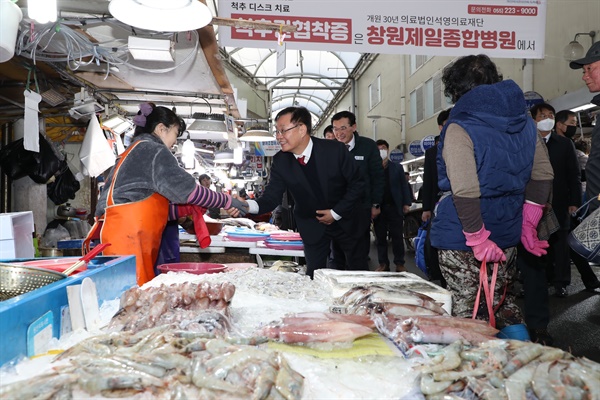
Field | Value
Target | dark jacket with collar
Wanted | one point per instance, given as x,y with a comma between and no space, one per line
339,180
592,168
566,187
399,186
430,190
366,155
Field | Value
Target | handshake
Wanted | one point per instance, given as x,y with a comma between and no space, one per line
238,208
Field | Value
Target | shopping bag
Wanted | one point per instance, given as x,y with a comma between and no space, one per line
585,238
419,242
548,224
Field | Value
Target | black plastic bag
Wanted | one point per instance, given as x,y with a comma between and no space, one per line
48,162
15,161
40,166
64,186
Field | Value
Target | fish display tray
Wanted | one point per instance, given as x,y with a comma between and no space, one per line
341,281
111,274
193,268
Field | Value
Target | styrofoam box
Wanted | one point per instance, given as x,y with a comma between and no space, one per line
342,281
16,235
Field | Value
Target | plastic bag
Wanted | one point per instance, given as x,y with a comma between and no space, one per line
64,186
420,248
17,162
53,234
48,163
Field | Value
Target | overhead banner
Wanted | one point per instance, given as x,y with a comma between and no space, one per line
498,28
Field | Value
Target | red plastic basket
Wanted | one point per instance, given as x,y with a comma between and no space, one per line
193,268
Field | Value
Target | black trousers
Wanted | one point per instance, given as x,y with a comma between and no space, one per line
533,273
389,220
317,254
359,259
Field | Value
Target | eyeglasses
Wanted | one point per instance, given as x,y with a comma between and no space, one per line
284,131
340,129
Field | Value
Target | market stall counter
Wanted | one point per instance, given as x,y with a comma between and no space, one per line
259,333
29,322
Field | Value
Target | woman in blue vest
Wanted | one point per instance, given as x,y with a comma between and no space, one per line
495,175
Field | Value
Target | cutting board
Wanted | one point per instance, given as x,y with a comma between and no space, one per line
89,303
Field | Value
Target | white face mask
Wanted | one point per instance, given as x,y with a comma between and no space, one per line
383,154
545,125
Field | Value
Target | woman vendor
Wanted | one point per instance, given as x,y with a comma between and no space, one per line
133,208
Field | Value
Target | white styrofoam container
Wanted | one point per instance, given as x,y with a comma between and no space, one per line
340,282
16,235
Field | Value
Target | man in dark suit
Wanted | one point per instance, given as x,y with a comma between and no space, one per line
366,155
396,202
324,181
566,196
430,194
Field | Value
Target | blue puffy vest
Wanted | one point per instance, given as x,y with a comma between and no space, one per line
504,139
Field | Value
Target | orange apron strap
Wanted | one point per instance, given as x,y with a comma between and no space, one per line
109,197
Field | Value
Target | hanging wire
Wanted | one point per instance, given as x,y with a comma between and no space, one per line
77,50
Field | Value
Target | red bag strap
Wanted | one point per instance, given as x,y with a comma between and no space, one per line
488,293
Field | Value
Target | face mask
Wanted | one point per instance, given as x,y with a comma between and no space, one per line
571,130
383,153
545,125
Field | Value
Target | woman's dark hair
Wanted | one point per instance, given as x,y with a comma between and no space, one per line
299,115
468,72
160,115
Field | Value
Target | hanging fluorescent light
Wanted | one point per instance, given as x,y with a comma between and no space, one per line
43,11
238,154
224,157
583,107
161,15
117,123
257,135
208,129
188,154
151,49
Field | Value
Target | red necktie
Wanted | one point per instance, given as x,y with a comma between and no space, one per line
301,160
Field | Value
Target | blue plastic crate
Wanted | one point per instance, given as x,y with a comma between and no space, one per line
111,274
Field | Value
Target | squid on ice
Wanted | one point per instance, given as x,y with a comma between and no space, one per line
318,328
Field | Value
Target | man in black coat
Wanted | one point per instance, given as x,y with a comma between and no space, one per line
366,156
430,195
325,183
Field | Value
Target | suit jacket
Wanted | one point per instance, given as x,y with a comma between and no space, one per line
338,177
430,191
399,187
566,187
366,155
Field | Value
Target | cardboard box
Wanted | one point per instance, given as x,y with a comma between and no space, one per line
16,235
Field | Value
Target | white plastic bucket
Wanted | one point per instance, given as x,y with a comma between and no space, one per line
10,17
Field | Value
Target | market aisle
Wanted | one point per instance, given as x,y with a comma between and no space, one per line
574,320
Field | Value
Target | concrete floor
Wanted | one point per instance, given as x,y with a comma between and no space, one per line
575,320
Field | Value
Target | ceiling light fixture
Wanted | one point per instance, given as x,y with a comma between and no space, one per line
208,129
188,153
257,135
151,49
43,11
574,50
117,123
583,107
224,157
161,15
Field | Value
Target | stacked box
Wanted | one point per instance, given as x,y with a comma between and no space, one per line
16,235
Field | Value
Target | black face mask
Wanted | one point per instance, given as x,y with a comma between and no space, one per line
571,130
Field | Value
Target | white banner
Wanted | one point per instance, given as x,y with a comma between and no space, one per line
498,28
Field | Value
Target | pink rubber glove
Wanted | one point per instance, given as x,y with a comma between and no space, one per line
483,248
532,213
